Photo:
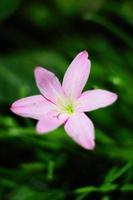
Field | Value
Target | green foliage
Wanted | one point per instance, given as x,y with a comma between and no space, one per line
50,34
7,8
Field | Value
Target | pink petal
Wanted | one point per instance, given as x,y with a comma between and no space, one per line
81,129
48,84
94,99
76,75
34,107
50,122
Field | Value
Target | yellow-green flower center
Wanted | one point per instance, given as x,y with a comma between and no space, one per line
69,109
66,106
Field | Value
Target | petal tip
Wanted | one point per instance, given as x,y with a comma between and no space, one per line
90,146
39,130
84,53
37,69
114,97
12,108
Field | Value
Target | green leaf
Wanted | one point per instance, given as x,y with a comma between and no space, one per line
108,187
105,198
87,189
116,172
120,33
127,187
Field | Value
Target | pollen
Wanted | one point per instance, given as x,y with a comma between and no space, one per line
69,109
66,106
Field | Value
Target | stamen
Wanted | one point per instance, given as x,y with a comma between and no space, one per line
69,109
66,106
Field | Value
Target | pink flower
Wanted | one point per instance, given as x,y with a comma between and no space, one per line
65,104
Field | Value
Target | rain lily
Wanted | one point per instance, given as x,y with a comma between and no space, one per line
65,104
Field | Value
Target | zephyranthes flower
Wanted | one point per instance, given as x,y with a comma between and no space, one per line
65,104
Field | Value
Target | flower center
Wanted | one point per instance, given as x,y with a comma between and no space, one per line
69,109
66,106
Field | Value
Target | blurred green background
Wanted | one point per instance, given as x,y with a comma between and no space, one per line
50,33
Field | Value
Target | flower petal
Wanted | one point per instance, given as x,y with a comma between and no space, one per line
48,84
76,75
81,129
34,107
50,122
94,99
